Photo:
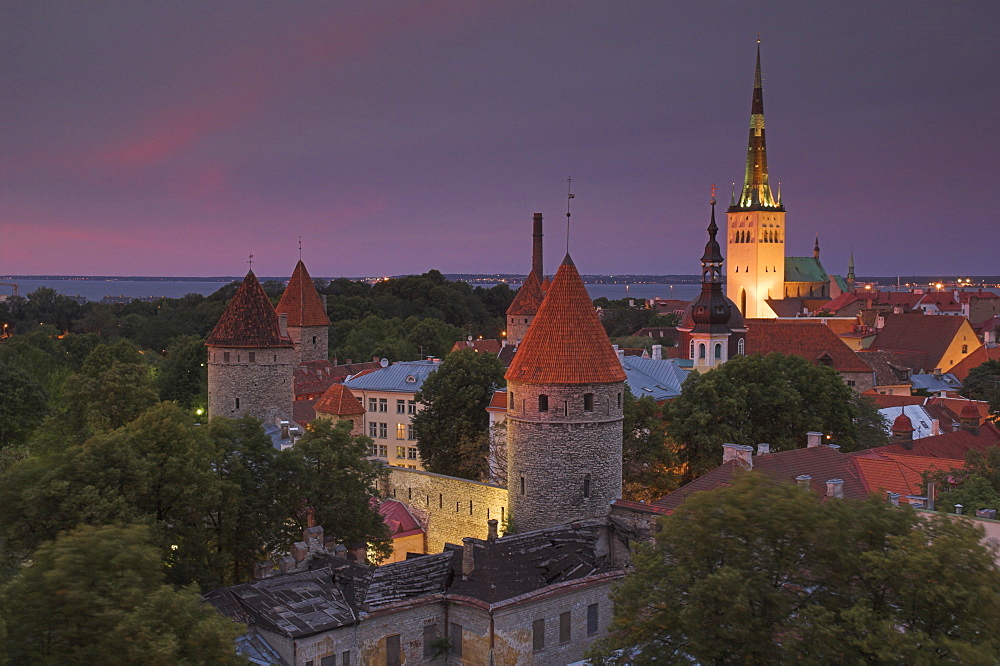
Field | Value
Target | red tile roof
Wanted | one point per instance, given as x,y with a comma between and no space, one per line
899,474
822,463
809,340
929,335
301,302
566,343
952,445
958,405
249,320
975,358
528,298
490,346
883,401
498,403
339,401
399,520
303,412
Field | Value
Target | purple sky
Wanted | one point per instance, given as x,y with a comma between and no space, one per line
175,138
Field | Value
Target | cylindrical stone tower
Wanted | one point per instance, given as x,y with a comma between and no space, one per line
308,324
564,418
250,359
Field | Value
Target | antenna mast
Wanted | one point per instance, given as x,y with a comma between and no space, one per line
569,195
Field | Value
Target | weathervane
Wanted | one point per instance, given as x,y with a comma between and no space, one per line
713,188
569,195
300,248
250,261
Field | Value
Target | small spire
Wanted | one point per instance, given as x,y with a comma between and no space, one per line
732,199
816,247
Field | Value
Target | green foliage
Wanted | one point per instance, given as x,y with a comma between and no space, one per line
978,483
983,383
452,427
96,595
765,573
774,399
330,476
395,339
183,375
650,465
23,403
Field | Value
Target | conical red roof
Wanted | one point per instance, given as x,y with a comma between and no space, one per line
902,424
301,301
529,297
249,320
339,401
566,343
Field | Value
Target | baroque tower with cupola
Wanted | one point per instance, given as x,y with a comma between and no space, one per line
756,225
564,418
250,359
712,327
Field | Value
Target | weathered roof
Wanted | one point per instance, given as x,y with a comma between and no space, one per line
888,369
400,377
929,335
805,269
821,463
934,383
530,561
528,298
314,377
408,579
498,402
658,379
339,401
301,302
975,358
920,419
293,605
398,518
899,474
566,343
249,320
810,340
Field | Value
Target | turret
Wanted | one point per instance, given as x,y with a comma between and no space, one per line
308,324
564,418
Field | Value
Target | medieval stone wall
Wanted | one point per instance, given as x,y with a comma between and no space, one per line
261,379
455,508
564,462
311,342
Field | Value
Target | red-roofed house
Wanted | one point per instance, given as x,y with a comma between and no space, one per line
975,358
408,535
926,343
339,404
814,342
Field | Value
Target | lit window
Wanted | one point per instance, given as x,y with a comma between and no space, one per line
400,431
400,451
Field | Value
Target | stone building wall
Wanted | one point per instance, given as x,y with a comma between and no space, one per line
517,327
263,385
446,502
564,463
311,342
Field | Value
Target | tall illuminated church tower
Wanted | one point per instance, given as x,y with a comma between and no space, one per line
755,241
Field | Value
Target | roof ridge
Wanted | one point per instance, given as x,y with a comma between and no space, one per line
249,320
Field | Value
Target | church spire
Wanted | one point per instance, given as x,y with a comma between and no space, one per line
816,247
850,272
756,192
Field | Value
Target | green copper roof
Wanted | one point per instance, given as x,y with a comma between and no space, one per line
804,269
841,282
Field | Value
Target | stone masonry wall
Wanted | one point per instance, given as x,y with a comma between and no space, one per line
563,453
263,385
447,500
305,347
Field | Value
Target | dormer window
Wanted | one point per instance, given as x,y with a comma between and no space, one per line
411,379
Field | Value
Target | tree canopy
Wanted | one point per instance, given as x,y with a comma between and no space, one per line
767,573
96,595
775,399
452,425
983,383
650,464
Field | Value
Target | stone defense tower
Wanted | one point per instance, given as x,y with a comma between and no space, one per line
712,325
564,417
529,297
756,234
308,325
250,359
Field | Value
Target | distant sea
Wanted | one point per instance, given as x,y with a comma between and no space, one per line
98,288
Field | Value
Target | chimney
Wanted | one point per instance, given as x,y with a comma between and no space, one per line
283,324
803,481
814,439
621,354
930,495
375,359
935,427
263,570
492,527
835,488
738,452
958,509
536,247
937,372
657,352
284,429
323,298
299,551
313,537
835,447
468,557
893,498
763,449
